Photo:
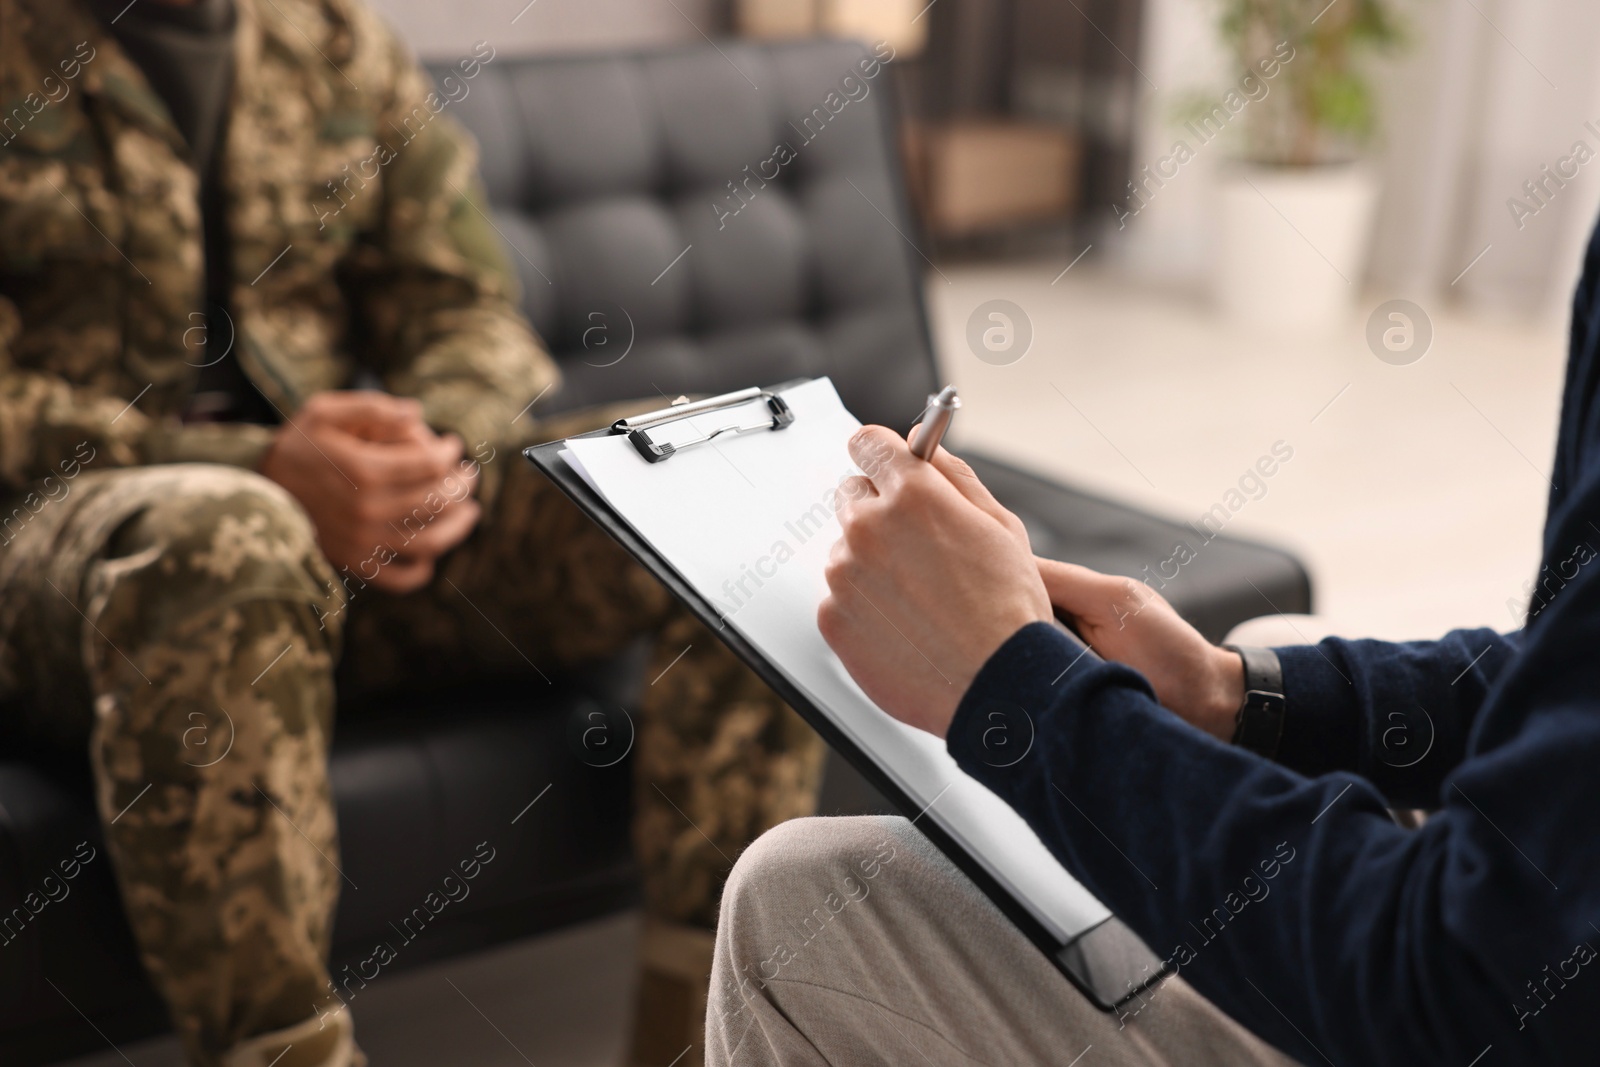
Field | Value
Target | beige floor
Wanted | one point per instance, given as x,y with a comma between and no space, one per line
1417,497
556,1001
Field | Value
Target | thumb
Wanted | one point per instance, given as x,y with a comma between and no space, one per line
1077,590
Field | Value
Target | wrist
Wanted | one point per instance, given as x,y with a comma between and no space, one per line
1226,694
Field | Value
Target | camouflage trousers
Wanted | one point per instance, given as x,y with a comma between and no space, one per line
160,613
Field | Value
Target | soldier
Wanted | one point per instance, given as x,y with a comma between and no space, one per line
214,215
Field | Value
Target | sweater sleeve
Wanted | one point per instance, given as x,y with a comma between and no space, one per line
1398,714
1294,903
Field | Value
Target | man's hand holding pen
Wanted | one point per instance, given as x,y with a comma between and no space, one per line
931,575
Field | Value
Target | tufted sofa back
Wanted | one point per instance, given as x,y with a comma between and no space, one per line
706,218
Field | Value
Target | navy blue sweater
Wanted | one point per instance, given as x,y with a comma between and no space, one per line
1282,890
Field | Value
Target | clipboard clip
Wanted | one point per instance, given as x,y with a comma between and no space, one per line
637,427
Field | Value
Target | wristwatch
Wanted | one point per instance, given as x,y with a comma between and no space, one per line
1259,725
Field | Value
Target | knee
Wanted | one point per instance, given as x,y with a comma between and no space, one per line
225,527
204,536
790,886
807,858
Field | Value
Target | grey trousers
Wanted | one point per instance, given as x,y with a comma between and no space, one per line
854,941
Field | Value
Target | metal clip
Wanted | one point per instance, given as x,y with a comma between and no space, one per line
780,415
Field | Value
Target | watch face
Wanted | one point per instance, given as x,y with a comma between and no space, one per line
1260,723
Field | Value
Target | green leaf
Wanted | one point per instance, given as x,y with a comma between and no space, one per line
1342,102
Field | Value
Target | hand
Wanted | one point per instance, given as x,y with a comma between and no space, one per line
387,495
1125,620
929,577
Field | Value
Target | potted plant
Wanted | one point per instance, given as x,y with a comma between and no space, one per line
1297,203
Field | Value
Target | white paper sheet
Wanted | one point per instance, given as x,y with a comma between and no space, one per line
747,521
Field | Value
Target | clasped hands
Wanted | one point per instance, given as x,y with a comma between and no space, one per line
931,575
387,495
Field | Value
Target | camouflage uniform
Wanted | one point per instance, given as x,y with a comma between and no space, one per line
171,607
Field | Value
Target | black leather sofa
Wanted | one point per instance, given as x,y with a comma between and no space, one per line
613,180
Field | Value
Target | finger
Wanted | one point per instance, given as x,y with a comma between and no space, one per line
884,451
458,484
447,530
362,407
374,409
852,491
388,431
463,479
420,433
1078,590
961,475
838,562
403,575
882,454
411,510
403,464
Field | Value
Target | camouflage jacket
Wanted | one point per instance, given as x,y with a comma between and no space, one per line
358,240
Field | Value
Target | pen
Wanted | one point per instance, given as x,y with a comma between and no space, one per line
936,421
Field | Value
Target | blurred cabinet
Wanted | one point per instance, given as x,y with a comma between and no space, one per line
1030,65
970,176
1075,64
1017,113
902,23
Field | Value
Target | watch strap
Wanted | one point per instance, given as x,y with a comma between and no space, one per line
1259,726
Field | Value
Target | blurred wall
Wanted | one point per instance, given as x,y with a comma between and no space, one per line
1488,94
446,30
1179,56
1492,93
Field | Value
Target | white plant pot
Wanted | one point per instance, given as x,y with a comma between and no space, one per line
1292,243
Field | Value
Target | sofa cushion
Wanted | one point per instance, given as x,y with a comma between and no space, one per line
696,221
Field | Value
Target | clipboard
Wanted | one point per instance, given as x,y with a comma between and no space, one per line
1107,962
